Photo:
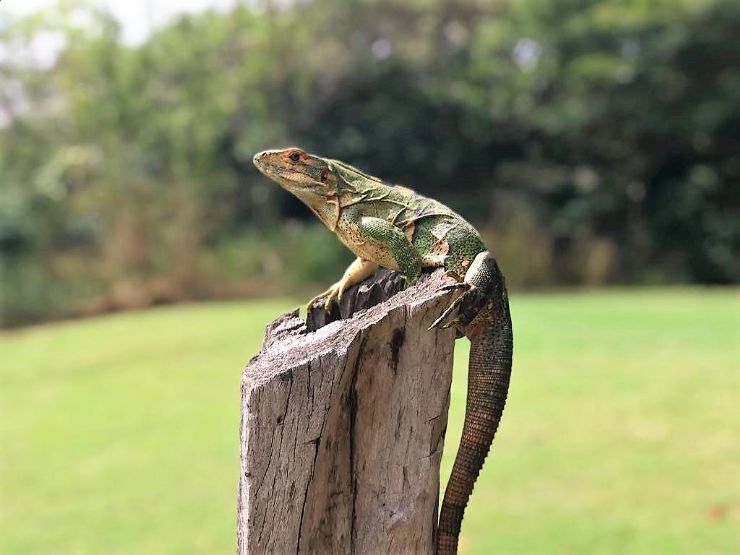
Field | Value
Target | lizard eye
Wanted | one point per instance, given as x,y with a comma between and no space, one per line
294,156
324,176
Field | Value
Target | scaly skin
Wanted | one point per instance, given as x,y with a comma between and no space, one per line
394,227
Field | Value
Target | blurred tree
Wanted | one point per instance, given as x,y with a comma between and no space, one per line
593,142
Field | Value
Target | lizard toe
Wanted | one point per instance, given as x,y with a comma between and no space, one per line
462,310
333,293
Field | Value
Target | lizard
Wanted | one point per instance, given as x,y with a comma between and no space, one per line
394,227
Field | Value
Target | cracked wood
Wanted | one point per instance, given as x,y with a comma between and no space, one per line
343,422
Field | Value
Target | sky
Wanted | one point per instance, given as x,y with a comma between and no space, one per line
137,17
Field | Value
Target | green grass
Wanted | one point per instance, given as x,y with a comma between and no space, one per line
622,433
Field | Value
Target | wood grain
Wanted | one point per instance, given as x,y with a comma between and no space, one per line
342,426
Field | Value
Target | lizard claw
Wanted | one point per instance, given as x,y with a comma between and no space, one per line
453,286
342,289
333,294
327,303
463,309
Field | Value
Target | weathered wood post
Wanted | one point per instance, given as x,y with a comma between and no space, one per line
342,428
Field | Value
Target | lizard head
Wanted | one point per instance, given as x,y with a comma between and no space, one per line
322,184
310,178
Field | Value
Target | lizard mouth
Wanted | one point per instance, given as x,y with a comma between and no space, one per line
302,176
264,165
285,176
271,169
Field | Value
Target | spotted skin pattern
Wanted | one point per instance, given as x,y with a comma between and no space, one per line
394,227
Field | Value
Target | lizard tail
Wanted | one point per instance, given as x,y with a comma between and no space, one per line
489,370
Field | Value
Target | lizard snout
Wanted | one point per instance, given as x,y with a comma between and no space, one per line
260,161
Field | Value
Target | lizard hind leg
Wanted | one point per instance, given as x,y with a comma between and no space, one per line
476,288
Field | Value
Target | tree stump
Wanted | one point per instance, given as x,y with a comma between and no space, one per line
343,424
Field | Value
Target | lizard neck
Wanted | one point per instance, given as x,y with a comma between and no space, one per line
327,211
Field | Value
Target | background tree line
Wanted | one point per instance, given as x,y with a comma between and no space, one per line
593,142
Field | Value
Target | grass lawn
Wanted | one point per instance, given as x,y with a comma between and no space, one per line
622,434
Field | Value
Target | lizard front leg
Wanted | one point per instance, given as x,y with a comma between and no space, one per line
378,243
355,273
389,247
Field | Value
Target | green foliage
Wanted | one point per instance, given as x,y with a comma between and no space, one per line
612,129
120,433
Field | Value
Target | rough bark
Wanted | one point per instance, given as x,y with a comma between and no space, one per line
342,428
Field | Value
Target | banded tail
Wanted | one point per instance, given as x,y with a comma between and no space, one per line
489,369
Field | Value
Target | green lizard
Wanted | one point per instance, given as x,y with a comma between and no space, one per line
394,227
